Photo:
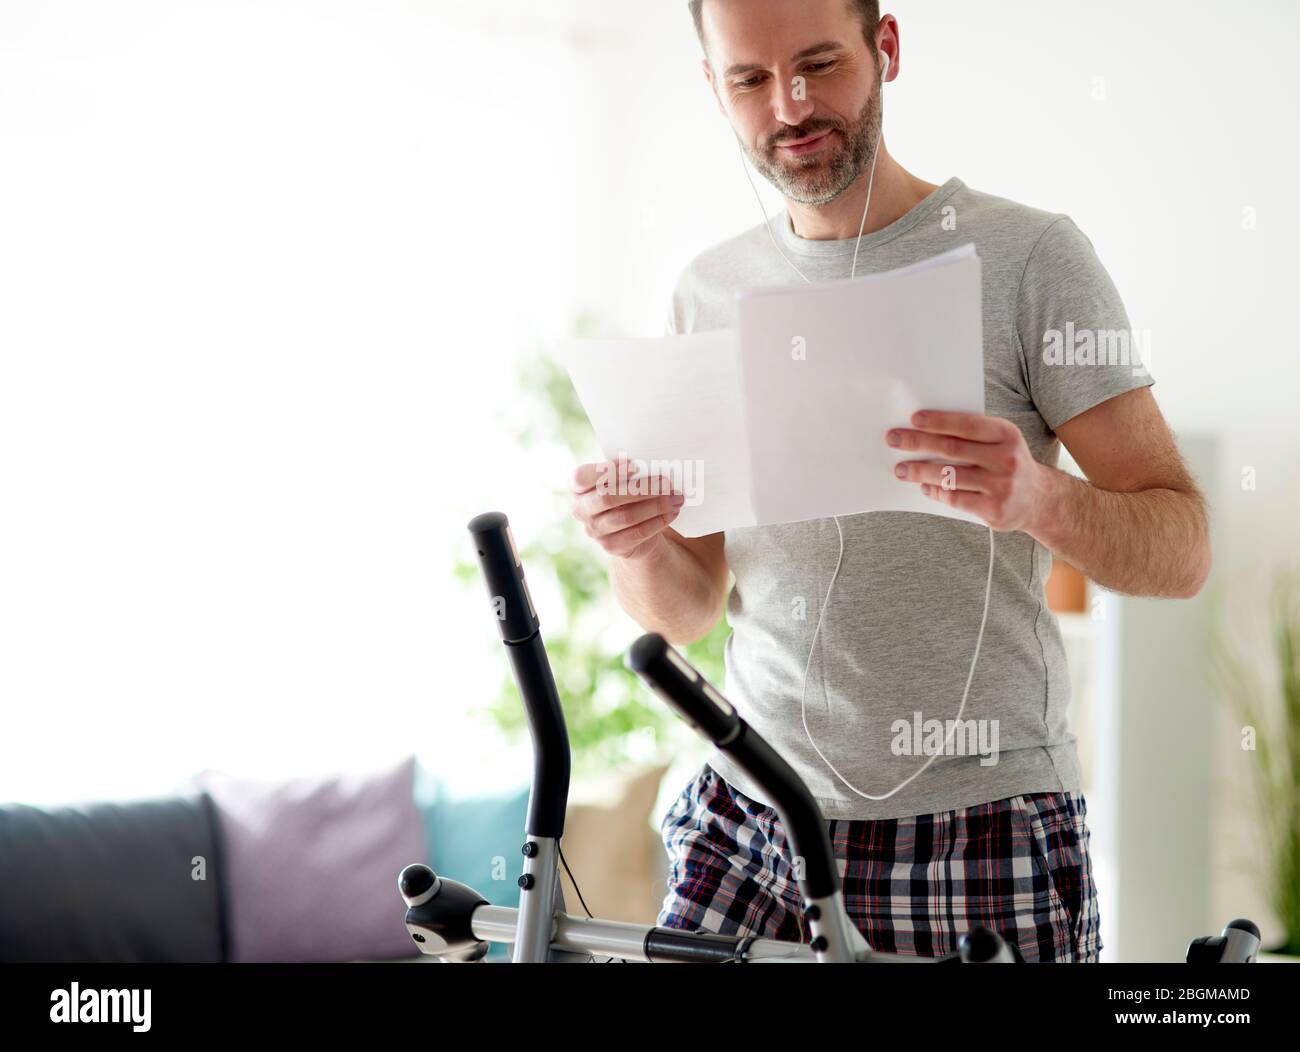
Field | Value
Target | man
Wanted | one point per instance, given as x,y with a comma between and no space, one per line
926,856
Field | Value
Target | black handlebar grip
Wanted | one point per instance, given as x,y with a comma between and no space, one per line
687,692
521,632
504,574
692,697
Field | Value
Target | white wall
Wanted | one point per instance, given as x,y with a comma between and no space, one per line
263,269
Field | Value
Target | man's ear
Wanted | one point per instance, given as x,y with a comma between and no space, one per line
889,42
708,75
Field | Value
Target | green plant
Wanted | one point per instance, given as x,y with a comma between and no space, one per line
612,718
1269,707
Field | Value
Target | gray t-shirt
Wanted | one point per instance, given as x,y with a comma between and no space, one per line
900,629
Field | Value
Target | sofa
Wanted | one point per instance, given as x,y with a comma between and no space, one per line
236,870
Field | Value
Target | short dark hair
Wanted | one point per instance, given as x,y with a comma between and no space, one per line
867,10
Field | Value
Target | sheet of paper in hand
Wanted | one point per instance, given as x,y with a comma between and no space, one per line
784,420
672,405
828,368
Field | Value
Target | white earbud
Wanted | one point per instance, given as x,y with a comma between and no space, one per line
885,71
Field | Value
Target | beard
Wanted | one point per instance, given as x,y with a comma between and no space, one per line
819,179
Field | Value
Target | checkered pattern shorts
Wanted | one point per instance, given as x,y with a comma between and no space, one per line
912,886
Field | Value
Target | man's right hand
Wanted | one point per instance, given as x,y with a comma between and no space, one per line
627,525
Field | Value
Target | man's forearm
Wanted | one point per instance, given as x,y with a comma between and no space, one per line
667,592
1152,542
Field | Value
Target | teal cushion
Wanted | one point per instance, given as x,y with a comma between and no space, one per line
476,840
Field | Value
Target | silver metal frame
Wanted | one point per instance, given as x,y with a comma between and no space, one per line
540,897
593,937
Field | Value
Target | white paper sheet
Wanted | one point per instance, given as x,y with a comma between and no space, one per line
754,434
875,350
674,404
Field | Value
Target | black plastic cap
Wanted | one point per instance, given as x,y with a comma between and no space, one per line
1242,924
488,521
646,652
415,880
980,945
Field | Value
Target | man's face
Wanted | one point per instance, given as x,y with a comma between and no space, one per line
799,84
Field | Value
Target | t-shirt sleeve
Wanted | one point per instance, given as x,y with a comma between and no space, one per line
1074,332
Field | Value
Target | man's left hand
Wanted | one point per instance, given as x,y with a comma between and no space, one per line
988,468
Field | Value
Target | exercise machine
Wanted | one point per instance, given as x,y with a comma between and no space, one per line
453,922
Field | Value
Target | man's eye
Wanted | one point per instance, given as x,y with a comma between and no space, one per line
817,67
752,82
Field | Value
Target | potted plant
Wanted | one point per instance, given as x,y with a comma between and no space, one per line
1265,695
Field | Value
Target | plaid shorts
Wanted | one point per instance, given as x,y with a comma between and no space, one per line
912,886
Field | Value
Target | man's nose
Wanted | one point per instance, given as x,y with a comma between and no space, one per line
790,102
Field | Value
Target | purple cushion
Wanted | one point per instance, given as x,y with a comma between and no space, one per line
311,865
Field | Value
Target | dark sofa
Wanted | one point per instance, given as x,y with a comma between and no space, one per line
131,882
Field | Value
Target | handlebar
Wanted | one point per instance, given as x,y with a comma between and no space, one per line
521,633
693,698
